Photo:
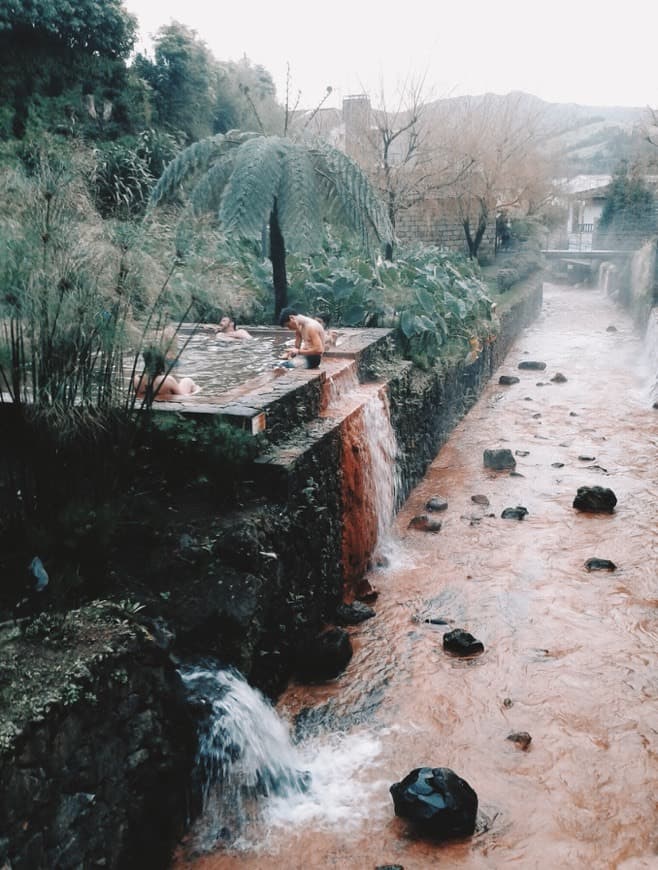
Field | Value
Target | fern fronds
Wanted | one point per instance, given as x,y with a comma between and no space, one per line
207,194
350,194
298,203
249,195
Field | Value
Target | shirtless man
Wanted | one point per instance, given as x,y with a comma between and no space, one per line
309,337
226,329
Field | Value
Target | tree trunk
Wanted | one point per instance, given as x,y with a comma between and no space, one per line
278,260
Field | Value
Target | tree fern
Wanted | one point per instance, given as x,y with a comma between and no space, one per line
251,181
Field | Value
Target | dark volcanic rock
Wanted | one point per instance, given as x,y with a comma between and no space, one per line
441,804
354,613
559,378
515,513
461,643
508,380
595,564
521,738
424,524
436,504
499,459
480,499
532,364
324,656
595,499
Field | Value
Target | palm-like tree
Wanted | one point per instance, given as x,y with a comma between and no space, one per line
253,181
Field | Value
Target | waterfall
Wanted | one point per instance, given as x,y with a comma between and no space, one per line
651,354
383,450
251,774
369,486
244,753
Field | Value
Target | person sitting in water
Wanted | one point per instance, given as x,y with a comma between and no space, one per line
155,383
309,338
227,329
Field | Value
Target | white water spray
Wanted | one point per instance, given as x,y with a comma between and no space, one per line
384,479
251,772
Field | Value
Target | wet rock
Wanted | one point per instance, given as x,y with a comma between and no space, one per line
423,523
514,513
596,564
461,643
573,413
354,613
534,365
559,378
557,464
536,416
598,468
324,656
508,380
507,702
516,474
521,738
480,499
437,620
441,804
436,504
611,328
595,499
499,459
522,453
584,458
389,867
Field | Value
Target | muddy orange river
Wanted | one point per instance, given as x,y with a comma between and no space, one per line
570,655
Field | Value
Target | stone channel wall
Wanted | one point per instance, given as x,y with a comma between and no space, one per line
96,773
102,782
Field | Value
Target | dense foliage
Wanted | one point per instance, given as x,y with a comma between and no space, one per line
629,208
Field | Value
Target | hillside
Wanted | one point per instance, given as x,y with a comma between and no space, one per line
592,139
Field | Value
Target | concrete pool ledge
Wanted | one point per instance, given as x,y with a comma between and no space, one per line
276,403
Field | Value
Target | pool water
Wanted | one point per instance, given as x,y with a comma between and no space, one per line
217,365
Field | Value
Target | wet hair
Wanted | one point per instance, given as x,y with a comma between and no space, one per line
154,361
286,314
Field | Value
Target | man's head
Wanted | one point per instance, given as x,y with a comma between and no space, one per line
287,317
226,324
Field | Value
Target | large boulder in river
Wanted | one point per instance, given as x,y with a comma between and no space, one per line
499,459
324,656
595,499
440,803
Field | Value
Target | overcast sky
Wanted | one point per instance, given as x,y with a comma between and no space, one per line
589,53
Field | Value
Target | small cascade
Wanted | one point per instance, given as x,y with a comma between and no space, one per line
253,779
338,386
651,354
244,753
370,486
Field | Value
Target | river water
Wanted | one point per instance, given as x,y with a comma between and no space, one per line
571,655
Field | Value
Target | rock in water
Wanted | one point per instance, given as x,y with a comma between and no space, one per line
499,459
514,513
423,523
533,365
595,499
462,643
436,503
354,613
440,803
596,564
324,656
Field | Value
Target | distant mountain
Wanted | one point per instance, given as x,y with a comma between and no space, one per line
592,139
